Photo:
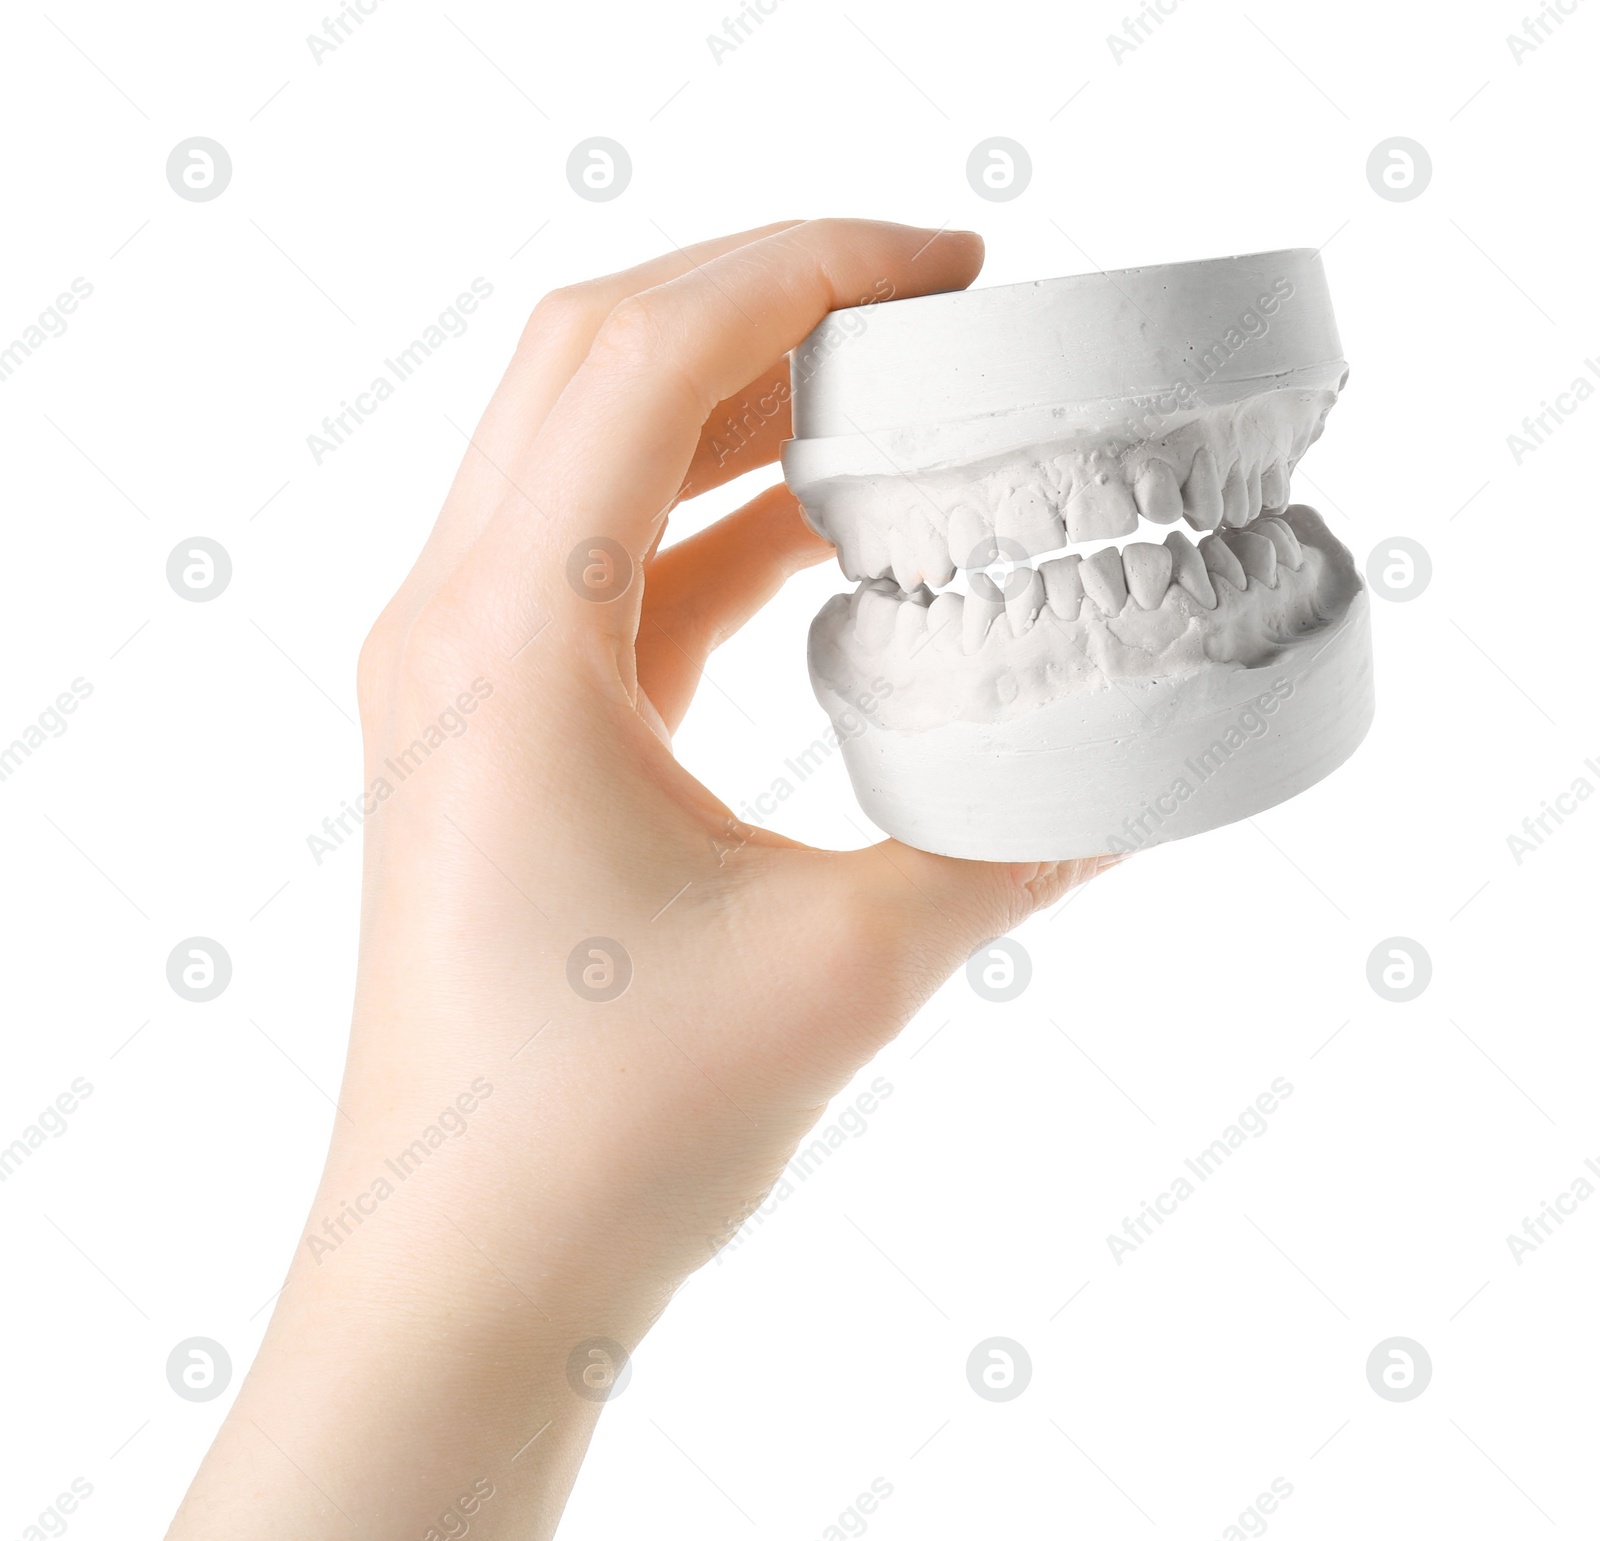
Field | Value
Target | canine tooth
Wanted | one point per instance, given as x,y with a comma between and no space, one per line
945,616
933,555
971,539
1101,508
1274,488
1202,492
1024,600
1148,569
1103,581
1189,570
1157,493
1220,561
1257,555
1063,585
1025,517
847,547
1252,492
1235,498
903,561
1283,538
875,608
979,610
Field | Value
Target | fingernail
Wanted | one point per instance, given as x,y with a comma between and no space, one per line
1111,861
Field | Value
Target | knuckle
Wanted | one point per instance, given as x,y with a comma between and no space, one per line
633,332
561,314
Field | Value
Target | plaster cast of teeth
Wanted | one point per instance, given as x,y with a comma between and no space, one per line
1084,701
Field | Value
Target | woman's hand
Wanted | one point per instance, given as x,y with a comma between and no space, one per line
595,1012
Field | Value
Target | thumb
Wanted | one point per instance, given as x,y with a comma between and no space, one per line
941,909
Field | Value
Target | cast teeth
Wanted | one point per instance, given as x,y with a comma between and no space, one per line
1104,581
1257,555
1063,586
1157,493
1283,538
1220,561
979,610
1202,492
1101,508
1025,598
1189,571
1222,469
946,617
1148,570
876,607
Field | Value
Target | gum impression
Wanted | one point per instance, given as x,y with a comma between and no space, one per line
1089,683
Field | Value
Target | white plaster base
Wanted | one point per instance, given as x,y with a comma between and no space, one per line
1124,766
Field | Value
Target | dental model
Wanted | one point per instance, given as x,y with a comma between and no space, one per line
1118,692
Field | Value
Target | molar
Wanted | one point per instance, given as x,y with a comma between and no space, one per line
1189,571
1202,492
1220,562
1103,581
1148,569
1257,555
1156,491
1063,586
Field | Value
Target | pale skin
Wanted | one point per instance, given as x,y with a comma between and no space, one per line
423,1337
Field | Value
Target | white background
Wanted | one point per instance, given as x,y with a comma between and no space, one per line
428,150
